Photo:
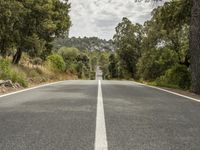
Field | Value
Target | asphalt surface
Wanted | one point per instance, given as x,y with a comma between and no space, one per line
63,117
142,118
56,117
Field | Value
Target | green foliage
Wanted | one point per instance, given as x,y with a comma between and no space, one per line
103,62
5,69
128,39
82,70
83,58
178,75
155,62
56,63
151,52
76,62
19,77
174,14
32,25
86,43
68,54
11,12
8,73
35,45
113,66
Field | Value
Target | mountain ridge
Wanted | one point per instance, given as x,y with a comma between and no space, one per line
85,43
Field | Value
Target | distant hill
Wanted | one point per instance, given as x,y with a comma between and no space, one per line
86,43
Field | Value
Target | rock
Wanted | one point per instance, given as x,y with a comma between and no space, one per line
17,85
8,83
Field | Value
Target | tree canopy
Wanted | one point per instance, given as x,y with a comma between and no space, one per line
32,25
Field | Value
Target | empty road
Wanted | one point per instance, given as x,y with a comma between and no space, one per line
98,115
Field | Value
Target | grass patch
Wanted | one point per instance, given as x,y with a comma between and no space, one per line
8,72
160,84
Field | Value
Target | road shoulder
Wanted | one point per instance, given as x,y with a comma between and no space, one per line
178,92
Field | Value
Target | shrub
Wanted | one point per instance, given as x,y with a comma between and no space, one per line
72,68
178,75
155,62
56,63
19,77
69,54
7,72
5,69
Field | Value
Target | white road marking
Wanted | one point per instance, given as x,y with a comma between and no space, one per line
177,94
100,135
28,89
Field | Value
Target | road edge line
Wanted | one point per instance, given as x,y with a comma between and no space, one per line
31,88
100,131
174,93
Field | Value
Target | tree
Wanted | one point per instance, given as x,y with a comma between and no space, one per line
44,20
155,62
163,46
195,46
11,12
69,54
128,39
83,58
189,12
103,62
113,66
174,17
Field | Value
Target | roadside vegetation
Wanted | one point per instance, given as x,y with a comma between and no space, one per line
63,63
27,34
27,30
157,52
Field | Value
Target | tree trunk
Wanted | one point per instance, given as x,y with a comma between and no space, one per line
195,46
3,50
17,56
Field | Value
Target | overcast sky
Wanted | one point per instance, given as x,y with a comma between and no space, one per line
100,17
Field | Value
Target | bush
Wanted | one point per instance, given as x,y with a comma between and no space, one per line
5,69
9,73
69,54
56,63
72,68
19,77
155,62
178,75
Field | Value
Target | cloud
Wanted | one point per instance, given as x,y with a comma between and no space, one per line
100,17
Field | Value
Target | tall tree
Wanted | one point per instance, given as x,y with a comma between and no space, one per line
188,12
113,66
195,46
11,12
44,21
128,39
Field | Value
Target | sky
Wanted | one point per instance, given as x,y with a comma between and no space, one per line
100,17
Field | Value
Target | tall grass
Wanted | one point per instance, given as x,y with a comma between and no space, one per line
7,72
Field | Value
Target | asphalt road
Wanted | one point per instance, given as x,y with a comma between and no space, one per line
70,115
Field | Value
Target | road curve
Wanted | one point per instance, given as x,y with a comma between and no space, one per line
63,117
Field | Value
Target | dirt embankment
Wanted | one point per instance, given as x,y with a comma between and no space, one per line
7,86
